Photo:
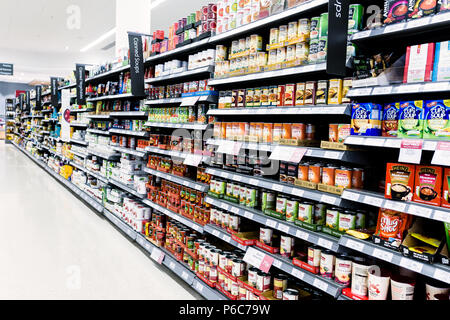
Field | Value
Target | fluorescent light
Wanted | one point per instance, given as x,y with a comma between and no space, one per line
99,40
156,3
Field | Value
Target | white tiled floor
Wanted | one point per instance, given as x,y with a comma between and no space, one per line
54,247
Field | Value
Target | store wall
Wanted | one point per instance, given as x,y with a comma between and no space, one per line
8,90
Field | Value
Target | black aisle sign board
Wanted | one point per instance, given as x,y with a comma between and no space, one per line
38,97
6,69
54,91
338,12
28,100
81,84
136,64
21,102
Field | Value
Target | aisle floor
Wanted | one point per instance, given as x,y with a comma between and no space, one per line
52,246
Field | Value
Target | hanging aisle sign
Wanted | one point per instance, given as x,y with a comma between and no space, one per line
65,119
54,91
28,100
136,64
38,97
21,102
338,12
81,84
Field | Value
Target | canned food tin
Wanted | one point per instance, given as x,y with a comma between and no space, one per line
265,236
306,212
314,255
327,262
262,281
268,200
303,171
287,246
328,174
290,295
347,221
279,286
358,178
315,173
242,195
281,205
234,289
252,276
343,270
320,213
292,210
343,178
234,223
332,220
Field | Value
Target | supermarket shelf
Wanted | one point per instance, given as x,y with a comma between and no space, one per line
435,271
79,125
281,187
174,154
412,88
108,73
81,110
99,116
417,209
47,111
271,74
81,155
197,227
112,97
84,143
219,233
408,28
274,19
316,238
70,86
163,101
129,114
343,297
130,151
382,142
328,286
301,110
180,75
105,133
182,181
120,224
188,126
130,133
90,172
177,51
126,188
346,156
103,155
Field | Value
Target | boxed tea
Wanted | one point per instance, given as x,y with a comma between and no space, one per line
335,91
395,11
322,92
421,8
419,63
399,181
445,188
428,185
300,94
410,120
390,120
366,119
310,92
441,69
436,124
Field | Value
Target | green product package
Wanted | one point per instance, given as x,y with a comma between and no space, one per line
323,25
436,120
411,119
447,233
355,21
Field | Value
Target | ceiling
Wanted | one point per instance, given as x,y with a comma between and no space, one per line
42,39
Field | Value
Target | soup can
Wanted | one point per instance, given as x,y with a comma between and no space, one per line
291,210
268,200
252,276
263,281
281,205
343,270
303,171
328,175
234,288
287,246
280,283
265,236
306,212
347,221
310,132
238,268
236,191
327,262
314,255
223,260
221,280
213,276
242,195
234,223
242,293
315,173
320,213
332,219
358,178
290,295
360,274
251,200
343,178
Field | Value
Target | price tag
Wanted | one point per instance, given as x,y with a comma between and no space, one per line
216,233
382,90
420,211
237,178
436,86
430,145
289,154
157,255
298,192
442,275
411,265
350,196
320,284
186,183
284,228
297,273
374,142
198,287
185,275
442,154
411,151
362,34
259,259
230,147
189,102
412,88
277,264
302,235
325,243
361,92
394,27
224,206
376,202
271,223
248,215
235,210
383,255
355,245
441,18
442,216
277,187
328,199
396,206
355,140
418,22
226,238
193,160
332,155
253,182
172,265
393,143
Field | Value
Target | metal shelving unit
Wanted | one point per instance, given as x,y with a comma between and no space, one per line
130,133
382,142
181,75
126,188
112,97
180,180
140,154
269,111
188,126
223,235
108,73
400,89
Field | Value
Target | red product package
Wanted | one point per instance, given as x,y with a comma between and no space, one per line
419,63
392,226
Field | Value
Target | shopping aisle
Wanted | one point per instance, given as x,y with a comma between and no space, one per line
54,247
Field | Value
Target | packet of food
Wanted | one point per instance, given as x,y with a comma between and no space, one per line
431,241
